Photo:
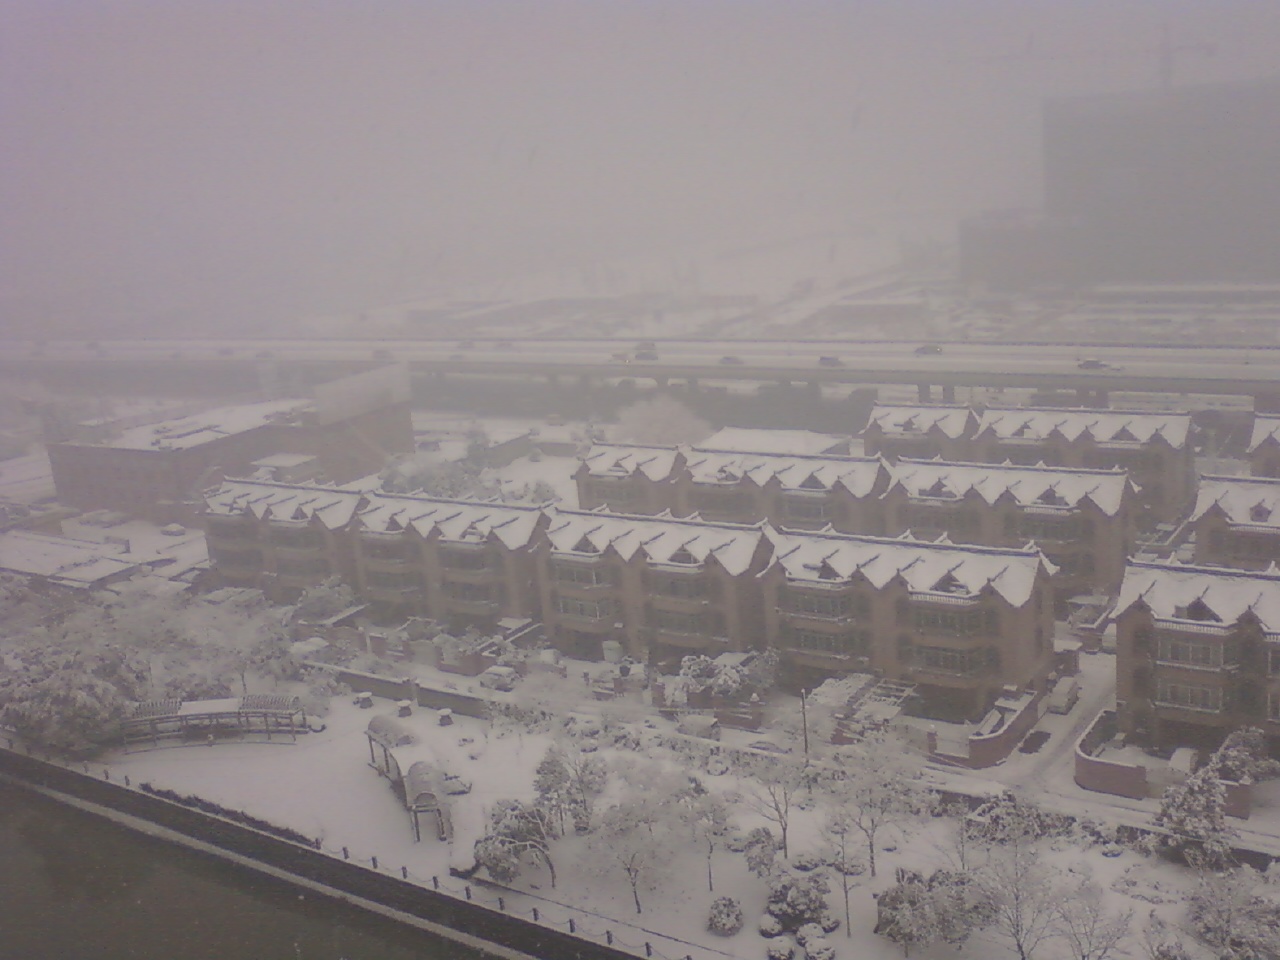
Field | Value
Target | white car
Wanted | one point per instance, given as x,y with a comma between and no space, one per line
499,678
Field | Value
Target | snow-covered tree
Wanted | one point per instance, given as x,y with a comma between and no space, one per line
1022,893
517,832
1194,815
760,851
1235,915
69,710
1243,758
772,788
881,786
638,838
1092,931
568,782
708,816
324,600
660,420
841,837
429,474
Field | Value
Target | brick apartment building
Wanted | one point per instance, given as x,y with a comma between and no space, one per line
628,478
960,622
156,471
921,432
1084,520
1237,522
1197,653
1154,448
1264,447
661,587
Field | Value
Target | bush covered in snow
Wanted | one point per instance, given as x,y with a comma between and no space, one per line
769,926
796,898
807,932
819,949
805,862
781,949
725,917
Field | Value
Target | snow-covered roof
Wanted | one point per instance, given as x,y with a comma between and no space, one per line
953,421
1190,594
265,499
856,474
661,539
74,563
463,521
625,460
1028,486
192,431
931,568
1103,426
1264,429
787,442
1246,501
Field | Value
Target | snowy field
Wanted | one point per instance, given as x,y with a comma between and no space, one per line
323,786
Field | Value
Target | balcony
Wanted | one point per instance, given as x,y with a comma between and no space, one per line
691,641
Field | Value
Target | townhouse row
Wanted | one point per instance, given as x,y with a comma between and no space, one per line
1085,520
961,623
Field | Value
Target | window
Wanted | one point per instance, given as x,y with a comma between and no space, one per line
307,567
684,588
962,663
391,579
586,609
1273,705
1273,661
719,501
960,521
386,549
1033,526
582,574
671,621
848,643
1189,696
964,623
244,557
828,606
465,559
468,592
1189,652
806,508
299,538
617,492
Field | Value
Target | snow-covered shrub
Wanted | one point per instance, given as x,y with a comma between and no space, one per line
807,932
717,766
725,917
796,898
769,926
322,686
805,862
829,923
736,842
819,949
780,949
761,850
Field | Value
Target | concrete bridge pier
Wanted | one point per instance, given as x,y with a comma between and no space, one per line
924,392
948,393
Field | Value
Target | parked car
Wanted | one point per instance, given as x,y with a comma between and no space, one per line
830,362
927,348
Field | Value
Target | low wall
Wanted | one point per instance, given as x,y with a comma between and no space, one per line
426,900
1107,776
988,750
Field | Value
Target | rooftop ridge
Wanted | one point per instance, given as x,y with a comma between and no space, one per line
1014,467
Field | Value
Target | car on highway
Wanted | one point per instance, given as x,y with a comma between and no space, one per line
830,362
646,354
927,348
466,344
646,345
1093,363
731,360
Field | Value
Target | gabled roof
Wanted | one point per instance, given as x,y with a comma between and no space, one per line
1029,486
1103,426
265,499
1246,501
952,421
660,539
625,460
856,474
781,442
198,428
1174,591
927,567
462,521
1264,429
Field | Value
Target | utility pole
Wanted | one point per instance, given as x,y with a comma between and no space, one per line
804,722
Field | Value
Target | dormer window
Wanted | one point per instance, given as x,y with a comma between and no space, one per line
1197,610
1260,513
812,482
1051,497
1125,434
683,556
584,545
939,489
949,584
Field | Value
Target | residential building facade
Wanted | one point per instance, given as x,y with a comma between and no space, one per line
1237,522
1264,447
920,432
1197,653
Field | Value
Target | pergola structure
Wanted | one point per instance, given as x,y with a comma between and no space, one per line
266,714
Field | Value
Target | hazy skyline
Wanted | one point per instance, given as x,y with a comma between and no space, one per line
237,163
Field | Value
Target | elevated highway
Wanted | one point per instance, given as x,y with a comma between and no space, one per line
1092,371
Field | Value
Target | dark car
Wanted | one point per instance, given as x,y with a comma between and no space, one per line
927,348
646,354
1092,363
1034,741
736,361
830,362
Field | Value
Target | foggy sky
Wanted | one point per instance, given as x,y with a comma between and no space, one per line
174,164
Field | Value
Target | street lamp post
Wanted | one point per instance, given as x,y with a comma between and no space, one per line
804,721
